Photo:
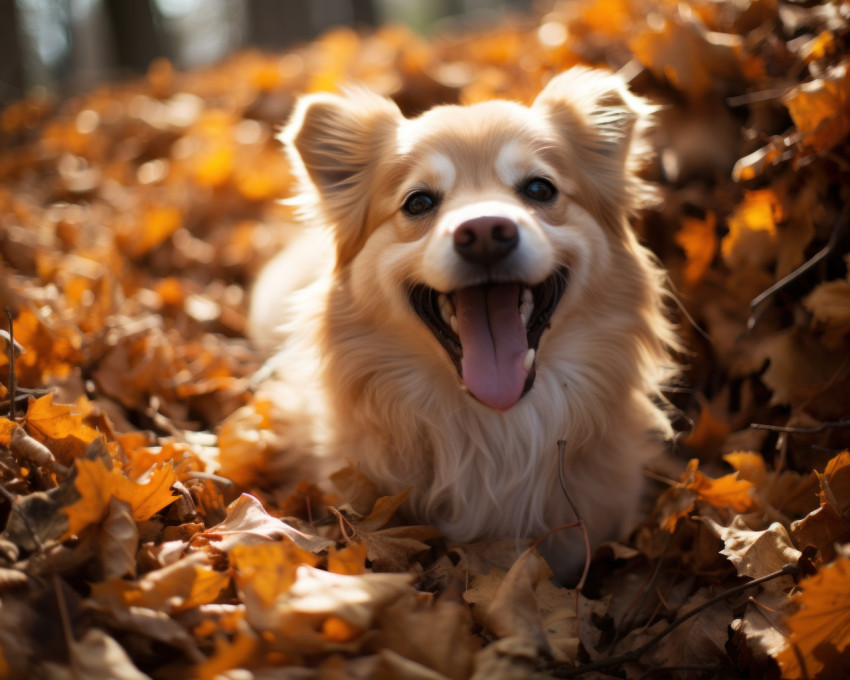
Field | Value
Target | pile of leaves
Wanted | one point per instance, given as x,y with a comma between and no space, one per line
146,531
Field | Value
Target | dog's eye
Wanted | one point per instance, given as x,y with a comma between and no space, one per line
540,190
419,203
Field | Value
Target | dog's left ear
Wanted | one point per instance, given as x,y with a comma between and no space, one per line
602,125
334,145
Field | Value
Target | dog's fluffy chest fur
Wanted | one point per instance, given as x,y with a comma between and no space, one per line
486,301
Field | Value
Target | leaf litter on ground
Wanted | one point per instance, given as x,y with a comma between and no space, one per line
150,526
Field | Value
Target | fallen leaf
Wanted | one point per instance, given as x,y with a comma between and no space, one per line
757,553
820,630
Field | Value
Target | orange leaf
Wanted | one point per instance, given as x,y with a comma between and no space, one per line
336,629
268,569
58,428
94,484
726,492
752,239
350,560
820,631
97,485
148,498
699,241
821,109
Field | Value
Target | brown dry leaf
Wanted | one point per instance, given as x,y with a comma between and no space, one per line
96,657
822,529
247,523
699,641
829,303
435,635
819,644
118,541
835,483
188,583
800,367
691,59
393,549
356,489
763,624
757,553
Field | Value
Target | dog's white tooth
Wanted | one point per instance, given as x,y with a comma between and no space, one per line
453,323
528,362
527,297
523,317
445,306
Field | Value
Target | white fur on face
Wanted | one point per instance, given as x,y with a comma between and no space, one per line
443,170
509,164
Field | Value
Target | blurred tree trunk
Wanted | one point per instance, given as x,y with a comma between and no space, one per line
274,24
137,42
277,23
11,64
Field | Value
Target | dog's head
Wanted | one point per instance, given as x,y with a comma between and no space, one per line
478,220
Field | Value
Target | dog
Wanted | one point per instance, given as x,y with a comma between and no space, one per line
475,295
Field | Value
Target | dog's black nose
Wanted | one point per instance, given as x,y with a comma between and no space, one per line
485,240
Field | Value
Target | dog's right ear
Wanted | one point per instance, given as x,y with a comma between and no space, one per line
334,145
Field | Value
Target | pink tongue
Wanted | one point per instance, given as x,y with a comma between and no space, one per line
494,343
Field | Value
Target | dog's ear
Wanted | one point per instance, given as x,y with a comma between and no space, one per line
603,127
334,145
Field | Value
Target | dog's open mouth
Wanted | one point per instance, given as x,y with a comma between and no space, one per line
491,333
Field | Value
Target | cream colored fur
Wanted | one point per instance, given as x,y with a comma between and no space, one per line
375,385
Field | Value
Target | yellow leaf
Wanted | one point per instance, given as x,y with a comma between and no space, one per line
749,465
820,631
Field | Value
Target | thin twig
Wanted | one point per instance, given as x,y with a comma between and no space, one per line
815,429
13,381
631,616
636,654
562,445
67,631
837,232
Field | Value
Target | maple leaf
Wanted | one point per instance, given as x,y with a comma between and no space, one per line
820,109
820,631
96,485
56,426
